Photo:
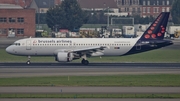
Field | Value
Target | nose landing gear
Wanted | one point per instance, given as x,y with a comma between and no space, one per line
28,62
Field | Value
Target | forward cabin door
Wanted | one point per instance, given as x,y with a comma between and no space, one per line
28,45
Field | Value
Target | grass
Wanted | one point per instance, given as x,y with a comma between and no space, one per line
90,96
160,55
156,80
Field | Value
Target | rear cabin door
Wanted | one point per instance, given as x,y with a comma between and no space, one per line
138,46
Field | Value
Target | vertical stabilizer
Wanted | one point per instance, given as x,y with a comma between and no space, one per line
157,29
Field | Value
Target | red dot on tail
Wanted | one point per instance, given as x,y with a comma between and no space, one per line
147,36
152,28
153,36
149,32
163,29
159,34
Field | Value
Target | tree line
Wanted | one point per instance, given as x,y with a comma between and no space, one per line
98,18
69,15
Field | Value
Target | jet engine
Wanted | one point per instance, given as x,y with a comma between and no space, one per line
64,57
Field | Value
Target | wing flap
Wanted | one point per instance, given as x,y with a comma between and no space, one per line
89,50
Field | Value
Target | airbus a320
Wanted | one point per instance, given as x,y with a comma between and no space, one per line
69,49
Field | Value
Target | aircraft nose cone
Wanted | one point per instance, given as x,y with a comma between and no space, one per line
8,50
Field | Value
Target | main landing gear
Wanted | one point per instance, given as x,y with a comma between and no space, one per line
85,62
28,61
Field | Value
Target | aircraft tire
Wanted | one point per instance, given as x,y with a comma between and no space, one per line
28,62
85,62
82,62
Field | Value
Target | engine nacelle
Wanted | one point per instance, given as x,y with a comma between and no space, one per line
64,57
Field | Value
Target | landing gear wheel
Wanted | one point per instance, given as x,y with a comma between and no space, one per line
85,62
82,62
28,62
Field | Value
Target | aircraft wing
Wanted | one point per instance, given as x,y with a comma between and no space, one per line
89,51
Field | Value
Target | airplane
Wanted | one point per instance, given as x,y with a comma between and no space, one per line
69,49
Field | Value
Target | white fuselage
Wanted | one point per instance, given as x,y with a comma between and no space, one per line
50,46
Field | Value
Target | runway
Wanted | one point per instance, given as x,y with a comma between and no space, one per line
58,69
91,90
75,65
77,69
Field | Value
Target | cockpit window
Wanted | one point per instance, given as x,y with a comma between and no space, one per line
17,44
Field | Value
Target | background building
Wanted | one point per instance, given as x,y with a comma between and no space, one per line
144,7
132,7
16,21
154,7
42,6
109,6
97,4
22,3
